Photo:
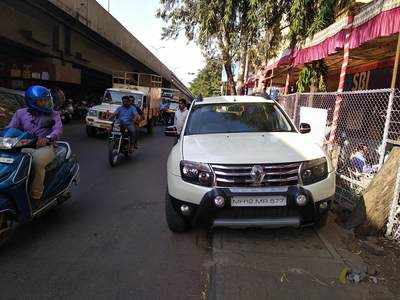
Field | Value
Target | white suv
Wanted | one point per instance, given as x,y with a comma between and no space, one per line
240,162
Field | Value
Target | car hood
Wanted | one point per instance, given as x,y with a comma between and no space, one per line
106,107
244,148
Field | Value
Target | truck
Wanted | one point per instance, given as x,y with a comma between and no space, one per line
99,118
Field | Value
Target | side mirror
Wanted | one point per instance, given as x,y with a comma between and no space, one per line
171,131
305,128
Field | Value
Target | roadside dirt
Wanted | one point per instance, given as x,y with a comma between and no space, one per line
381,256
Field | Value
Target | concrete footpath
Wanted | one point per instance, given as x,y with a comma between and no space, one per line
284,264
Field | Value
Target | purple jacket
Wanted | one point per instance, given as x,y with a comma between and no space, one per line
33,124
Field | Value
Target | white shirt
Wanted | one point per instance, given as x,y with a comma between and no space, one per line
180,118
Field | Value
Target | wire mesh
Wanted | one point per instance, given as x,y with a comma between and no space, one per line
357,133
394,124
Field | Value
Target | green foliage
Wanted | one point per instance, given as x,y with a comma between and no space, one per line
313,74
228,29
307,17
208,81
223,28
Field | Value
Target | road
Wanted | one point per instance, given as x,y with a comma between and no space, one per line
111,242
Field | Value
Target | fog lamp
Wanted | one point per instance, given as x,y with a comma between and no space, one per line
323,205
185,209
301,200
219,201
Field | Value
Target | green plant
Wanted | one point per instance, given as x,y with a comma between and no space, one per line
313,74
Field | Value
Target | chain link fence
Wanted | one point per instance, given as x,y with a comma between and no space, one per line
360,128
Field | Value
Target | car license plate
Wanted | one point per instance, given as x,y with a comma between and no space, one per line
243,201
6,160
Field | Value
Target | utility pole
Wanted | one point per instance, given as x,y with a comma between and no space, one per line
109,5
390,105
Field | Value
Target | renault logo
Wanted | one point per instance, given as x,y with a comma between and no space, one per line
257,174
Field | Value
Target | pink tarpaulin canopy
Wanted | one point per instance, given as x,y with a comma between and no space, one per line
383,24
330,46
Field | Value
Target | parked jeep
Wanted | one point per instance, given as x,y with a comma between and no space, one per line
241,162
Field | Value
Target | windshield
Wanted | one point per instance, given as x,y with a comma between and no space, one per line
236,118
115,97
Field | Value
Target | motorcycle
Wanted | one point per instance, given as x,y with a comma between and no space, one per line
67,111
16,174
81,109
119,144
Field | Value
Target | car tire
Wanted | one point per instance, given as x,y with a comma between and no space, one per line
113,157
322,220
175,222
7,226
91,131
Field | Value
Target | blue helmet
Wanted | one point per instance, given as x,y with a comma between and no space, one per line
36,93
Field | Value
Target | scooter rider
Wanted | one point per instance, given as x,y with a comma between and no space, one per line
39,119
126,116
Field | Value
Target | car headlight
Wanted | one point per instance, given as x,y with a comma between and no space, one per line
7,143
313,171
197,173
92,113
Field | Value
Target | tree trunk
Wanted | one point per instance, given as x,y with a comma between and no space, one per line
242,69
227,62
230,77
379,194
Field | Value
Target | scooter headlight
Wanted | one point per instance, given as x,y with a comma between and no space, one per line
7,143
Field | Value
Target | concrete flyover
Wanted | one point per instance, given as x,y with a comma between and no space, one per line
72,44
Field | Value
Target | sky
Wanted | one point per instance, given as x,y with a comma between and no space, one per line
138,16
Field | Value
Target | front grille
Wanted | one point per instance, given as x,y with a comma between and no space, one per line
105,115
283,174
257,212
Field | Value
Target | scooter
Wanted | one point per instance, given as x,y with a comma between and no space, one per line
16,174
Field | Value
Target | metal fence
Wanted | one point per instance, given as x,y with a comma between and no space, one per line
359,134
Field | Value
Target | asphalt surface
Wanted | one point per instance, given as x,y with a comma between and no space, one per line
111,241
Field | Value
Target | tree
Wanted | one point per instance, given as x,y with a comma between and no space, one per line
226,28
261,31
307,17
208,81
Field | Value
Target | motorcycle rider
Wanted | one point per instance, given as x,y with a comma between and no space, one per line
127,115
38,118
